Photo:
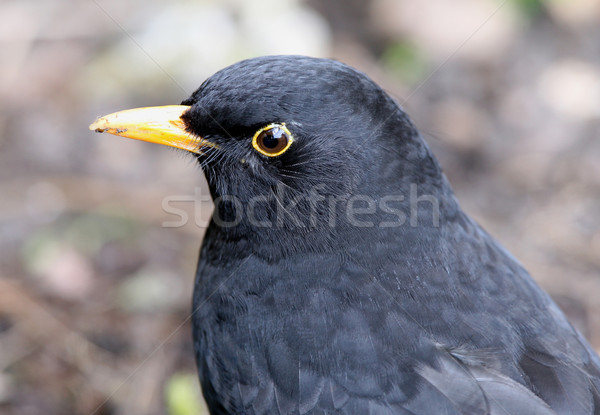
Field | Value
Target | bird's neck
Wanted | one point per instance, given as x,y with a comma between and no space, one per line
334,224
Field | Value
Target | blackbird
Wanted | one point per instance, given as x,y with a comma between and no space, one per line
339,274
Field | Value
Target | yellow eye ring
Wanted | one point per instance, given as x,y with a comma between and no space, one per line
272,140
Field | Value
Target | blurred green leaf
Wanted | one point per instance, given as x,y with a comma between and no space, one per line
405,61
183,395
86,233
530,8
90,231
149,290
39,250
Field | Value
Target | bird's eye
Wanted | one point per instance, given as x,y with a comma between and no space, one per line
272,140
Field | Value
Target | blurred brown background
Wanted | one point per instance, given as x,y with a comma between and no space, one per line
95,290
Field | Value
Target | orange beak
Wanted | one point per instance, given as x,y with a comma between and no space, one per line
162,125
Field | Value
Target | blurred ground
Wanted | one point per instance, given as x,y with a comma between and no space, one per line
95,291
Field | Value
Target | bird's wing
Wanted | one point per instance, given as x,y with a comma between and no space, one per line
558,383
477,389
564,371
451,388
455,382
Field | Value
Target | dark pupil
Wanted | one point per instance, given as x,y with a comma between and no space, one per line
273,138
269,141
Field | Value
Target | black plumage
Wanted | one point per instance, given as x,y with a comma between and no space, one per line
406,307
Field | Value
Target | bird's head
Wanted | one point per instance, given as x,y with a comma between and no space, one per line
287,133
